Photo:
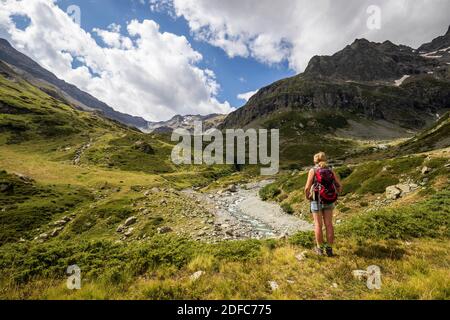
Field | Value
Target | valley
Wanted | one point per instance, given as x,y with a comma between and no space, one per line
80,188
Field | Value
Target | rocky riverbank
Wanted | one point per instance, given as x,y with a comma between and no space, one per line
239,213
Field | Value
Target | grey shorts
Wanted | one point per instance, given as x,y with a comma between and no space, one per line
323,206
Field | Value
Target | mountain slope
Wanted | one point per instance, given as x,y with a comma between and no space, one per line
374,81
186,122
43,78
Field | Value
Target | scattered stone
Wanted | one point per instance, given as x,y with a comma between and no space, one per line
130,221
129,232
274,285
42,236
426,170
56,231
155,190
232,188
120,228
229,233
197,275
334,285
164,230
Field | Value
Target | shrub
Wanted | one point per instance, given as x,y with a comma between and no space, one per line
428,219
287,208
304,239
269,192
377,184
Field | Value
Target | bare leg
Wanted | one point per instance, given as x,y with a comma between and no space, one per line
328,221
318,228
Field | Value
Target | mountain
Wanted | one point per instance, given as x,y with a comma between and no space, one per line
53,86
186,122
439,43
384,82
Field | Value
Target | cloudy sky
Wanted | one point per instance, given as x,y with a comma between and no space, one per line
158,58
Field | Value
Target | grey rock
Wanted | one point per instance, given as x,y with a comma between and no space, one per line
393,192
164,230
129,232
425,170
56,232
130,221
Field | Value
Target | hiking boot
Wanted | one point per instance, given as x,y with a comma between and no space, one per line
318,251
329,251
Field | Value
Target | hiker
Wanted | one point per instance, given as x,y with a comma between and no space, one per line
322,189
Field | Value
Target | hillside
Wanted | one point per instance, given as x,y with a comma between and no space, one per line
373,81
363,96
48,82
79,188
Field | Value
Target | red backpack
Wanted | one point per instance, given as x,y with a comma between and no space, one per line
325,185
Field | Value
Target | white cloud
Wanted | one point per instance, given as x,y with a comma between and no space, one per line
296,30
247,95
142,71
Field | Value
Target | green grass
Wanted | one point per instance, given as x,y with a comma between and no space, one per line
27,206
428,219
39,137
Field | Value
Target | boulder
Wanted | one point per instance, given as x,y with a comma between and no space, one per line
404,188
393,193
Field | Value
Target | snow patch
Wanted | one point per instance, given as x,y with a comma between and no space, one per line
400,81
431,55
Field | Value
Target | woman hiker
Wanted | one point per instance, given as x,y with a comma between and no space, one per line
322,189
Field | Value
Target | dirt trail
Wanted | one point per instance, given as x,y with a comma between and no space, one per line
241,214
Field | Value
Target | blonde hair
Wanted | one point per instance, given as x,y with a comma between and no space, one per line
321,160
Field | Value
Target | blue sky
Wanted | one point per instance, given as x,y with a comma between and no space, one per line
235,75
